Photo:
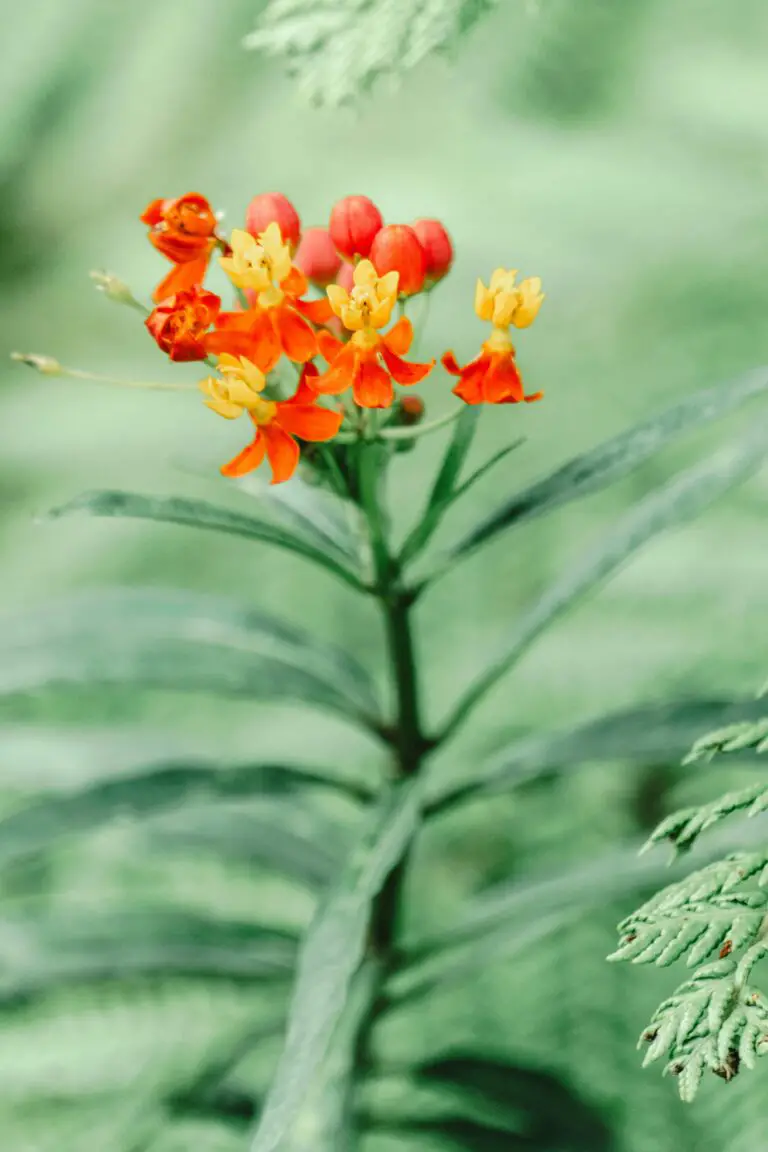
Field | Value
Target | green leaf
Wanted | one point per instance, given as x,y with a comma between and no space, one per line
167,787
683,498
444,487
645,735
312,512
183,641
617,457
750,735
338,48
330,957
200,514
265,833
41,952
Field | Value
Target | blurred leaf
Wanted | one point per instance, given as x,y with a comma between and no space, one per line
462,1136
180,641
617,457
339,48
330,957
264,835
444,486
310,511
650,734
484,1102
309,543
41,952
684,497
45,822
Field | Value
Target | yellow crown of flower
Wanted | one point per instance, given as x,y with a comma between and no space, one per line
258,263
504,302
239,390
370,303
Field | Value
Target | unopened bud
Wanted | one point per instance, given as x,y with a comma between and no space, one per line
317,258
45,364
397,248
354,224
437,246
411,410
114,288
274,208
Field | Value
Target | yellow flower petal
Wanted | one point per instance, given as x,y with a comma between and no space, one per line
503,279
530,299
212,389
387,286
352,317
381,314
365,275
483,301
338,297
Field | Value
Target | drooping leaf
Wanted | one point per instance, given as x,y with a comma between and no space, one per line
181,789
680,500
39,952
200,514
645,735
445,483
180,641
339,48
329,959
617,457
312,512
266,834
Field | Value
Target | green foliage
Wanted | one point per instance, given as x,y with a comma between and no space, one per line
338,48
716,918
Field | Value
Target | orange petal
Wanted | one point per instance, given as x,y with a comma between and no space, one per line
308,421
470,388
180,278
295,283
264,342
329,346
240,320
248,459
533,397
305,392
318,311
402,371
503,384
400,337
343,372
282,452
235,343
153,213
296,336
451,364
373,386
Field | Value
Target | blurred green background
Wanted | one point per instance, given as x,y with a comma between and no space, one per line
616,149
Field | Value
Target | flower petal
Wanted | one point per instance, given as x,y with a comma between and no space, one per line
503,383
373,386
308,421
364,275
305,393
297,338
180,278
328,346
295,283
399,337
451,364
248,459
318,311
282,452
342,373
402,371
471,386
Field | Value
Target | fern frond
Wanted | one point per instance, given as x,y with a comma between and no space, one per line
734,738
683,828
713,1022
339,48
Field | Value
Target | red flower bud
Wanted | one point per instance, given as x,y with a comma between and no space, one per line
317,257
346,276
411,409
397,249
437,246
271,207
355,221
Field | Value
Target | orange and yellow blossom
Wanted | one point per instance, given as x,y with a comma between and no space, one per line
239,388
363,311
184,230
278,320
493,376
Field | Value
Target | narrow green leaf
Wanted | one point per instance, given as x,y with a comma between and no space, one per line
486,467
329,959
617,457
183,641
312,512
78,946
680,500
645,735
443,488
200,514
166,787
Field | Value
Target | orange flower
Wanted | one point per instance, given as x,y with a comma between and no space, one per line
184,230
362,311
493,376
179,324
278,320
239,389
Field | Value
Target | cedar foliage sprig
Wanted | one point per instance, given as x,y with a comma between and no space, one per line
717,919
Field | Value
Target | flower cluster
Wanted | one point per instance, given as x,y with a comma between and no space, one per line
332,303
